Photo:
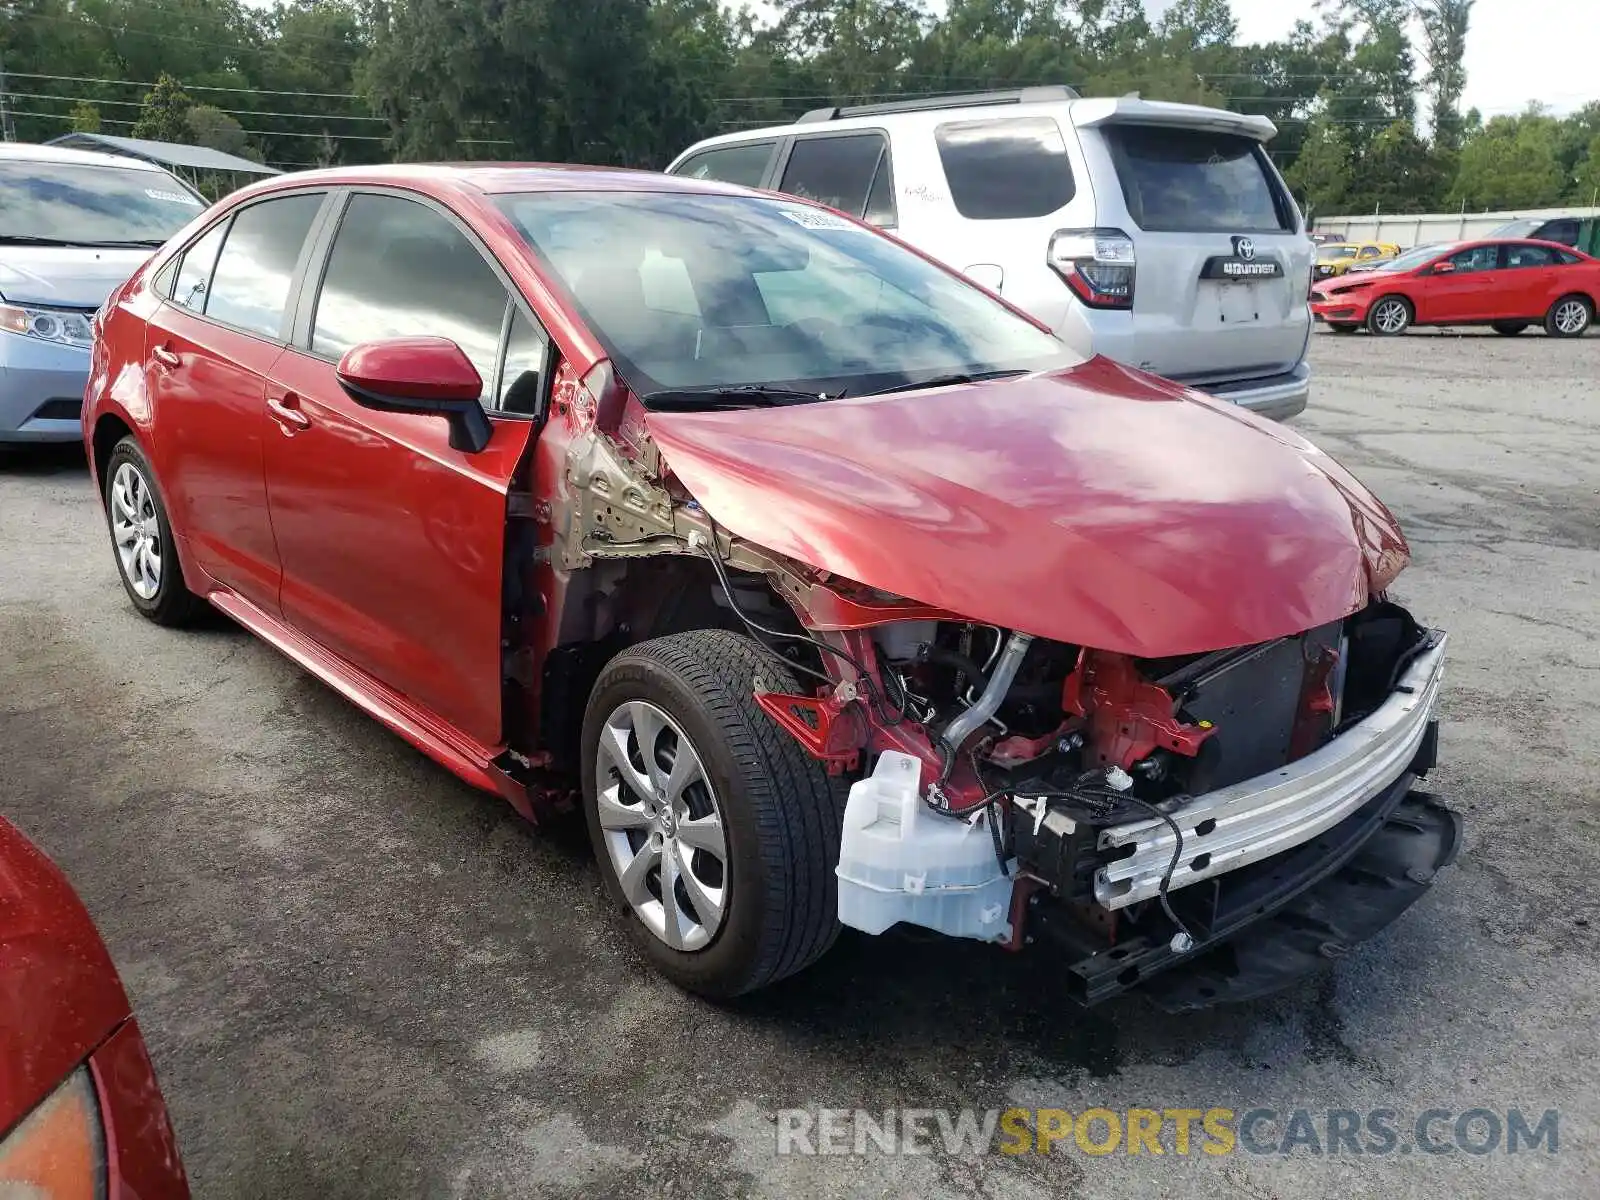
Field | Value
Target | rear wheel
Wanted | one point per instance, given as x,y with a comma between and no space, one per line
1390,316
1510,328
1569,316
141,536
716,834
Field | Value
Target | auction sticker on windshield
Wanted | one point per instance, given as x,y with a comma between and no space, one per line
175,197
813,218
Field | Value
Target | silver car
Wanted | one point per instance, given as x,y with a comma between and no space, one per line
1160,235
73,225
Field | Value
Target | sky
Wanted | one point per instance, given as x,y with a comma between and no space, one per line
1517,50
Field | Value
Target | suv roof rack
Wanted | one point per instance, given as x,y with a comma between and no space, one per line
1027,95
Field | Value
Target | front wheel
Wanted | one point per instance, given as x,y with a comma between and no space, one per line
716,834
1342,326
1509,328
1569,316
1390,316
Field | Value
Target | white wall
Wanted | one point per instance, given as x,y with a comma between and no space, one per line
1434,227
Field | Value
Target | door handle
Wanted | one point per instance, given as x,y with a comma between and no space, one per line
286,412
166,357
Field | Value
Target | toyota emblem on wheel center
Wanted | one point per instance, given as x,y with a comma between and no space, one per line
1244,248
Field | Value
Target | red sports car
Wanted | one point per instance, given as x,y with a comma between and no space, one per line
830,587
80,1113
1506,284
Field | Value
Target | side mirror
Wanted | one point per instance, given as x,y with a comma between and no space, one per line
419,375
1444,268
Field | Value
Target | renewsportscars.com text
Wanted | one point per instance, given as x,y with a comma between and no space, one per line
1179,1131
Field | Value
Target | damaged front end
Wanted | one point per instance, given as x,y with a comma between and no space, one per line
1041,746
1245,815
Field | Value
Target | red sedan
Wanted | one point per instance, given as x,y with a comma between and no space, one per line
1508,285
80,1113
831,588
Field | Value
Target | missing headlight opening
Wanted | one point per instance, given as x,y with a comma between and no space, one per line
1143,811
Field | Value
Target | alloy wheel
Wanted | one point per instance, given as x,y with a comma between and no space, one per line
1391,316
136,530
662,825
1571,316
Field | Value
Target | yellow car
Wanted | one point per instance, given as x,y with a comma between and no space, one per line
1335,258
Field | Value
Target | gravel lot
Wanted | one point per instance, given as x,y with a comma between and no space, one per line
360,978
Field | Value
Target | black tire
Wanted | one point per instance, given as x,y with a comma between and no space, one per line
1510,328
1343,326
1385,304
1553,319
782,817
172,604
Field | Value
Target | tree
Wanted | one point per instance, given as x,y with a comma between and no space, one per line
1199,23
1513,163
1321,174
1444,42
1586,180
209,126
164,115
85,117
856,47
1396,172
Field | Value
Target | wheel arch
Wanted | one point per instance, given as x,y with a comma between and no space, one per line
109,429
615,604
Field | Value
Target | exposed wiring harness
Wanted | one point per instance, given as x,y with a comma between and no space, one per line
1094,791
760,632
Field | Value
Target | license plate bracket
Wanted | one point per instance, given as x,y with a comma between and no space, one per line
1238,303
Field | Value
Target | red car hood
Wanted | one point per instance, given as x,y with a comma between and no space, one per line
59,994
1098,506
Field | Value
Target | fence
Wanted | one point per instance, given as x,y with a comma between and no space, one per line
1434,227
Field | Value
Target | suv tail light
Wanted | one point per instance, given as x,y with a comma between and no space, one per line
1097,264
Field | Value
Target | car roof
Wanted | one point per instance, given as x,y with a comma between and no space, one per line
498,178
32,152
1085,111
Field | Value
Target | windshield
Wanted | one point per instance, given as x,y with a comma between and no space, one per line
693,291
88,204
1338,252
1412,259
1520,228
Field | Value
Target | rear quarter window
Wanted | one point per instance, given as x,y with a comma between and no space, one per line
1194,181
999,170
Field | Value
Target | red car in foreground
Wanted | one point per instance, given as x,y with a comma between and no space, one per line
1506,284
829,587
80,1113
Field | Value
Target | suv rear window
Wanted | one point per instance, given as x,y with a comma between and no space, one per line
1193,181
1005,169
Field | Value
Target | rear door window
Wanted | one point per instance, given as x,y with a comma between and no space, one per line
745,164
1195,181
998,170
836,171
250,289
1530,256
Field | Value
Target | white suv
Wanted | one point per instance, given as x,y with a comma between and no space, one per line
1157,234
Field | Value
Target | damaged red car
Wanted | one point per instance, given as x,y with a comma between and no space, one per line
81,1114
830,588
